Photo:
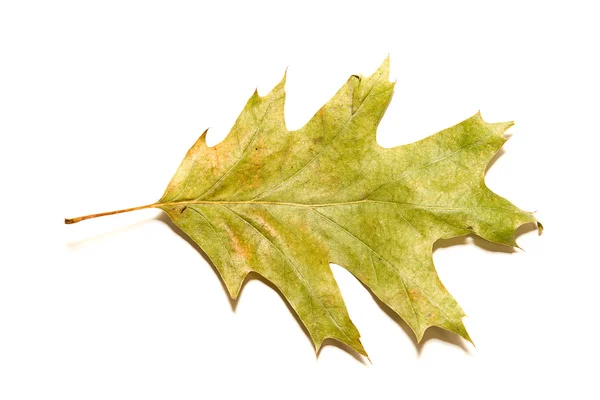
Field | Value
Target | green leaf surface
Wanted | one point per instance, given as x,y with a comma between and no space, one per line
285,204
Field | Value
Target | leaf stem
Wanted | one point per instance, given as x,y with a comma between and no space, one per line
79,219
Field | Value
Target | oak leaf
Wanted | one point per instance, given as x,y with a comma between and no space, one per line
285,204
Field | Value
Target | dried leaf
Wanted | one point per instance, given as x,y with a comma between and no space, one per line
285,204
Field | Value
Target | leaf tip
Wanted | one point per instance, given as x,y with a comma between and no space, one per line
540,228
202,138
281,84
419,336
468,339
504,125
277,91
463,333
526,226
385,66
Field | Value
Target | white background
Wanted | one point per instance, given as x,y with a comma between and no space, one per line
99,103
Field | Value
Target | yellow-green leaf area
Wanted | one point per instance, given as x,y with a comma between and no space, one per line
285,204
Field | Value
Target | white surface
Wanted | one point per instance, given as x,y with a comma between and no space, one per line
98,105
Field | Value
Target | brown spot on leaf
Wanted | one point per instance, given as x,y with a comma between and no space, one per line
415,295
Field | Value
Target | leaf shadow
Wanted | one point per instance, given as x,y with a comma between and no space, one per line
496,156
255,276
78,244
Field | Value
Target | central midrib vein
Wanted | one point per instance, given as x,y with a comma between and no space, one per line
251,202
315,205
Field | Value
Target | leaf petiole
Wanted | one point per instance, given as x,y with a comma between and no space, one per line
83,218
